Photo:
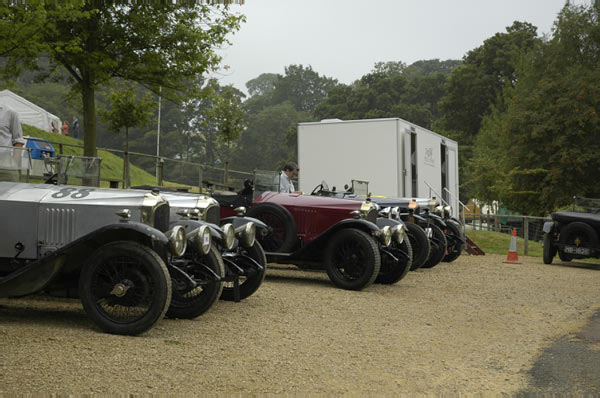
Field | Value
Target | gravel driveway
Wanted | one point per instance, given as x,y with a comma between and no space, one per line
475,325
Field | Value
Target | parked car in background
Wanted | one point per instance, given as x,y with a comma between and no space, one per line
573,234
338,235
115,249
434,236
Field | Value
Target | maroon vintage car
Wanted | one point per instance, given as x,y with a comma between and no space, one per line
341,236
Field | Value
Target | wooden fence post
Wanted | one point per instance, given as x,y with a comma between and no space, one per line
526,234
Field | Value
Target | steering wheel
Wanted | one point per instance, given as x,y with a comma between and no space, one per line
318,189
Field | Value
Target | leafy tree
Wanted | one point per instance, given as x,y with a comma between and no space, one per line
127,111
263,84
270,134
157,44
303,87
228,117
543,142
475,86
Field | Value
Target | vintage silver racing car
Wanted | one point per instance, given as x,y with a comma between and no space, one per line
117,249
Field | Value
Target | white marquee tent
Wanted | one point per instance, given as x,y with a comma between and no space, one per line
29,113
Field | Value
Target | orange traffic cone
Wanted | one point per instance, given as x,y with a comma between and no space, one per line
512,257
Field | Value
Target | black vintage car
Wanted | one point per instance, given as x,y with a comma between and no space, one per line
573,234
446,239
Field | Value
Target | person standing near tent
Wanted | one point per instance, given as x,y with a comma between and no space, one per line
64,129
11,134
75,127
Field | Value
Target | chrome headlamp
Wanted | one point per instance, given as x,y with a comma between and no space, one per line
177,240
439,210
447,211
396,213
201,239
386,212
246,234
228,236
399,231
368,211
432,204
385,235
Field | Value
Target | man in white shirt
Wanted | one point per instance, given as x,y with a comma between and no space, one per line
11,134
285,179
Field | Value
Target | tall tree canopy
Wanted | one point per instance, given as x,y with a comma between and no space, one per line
157,44
541,146
388,91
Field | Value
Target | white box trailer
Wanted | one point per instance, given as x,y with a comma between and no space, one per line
396,157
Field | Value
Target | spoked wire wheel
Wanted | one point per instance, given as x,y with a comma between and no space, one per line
125,288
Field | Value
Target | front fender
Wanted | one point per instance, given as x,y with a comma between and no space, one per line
548,227
315,249
69,259
439,221
238,221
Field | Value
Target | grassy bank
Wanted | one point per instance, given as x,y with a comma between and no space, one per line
498,243
112,165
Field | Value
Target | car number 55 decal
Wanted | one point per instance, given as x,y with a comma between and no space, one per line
75,193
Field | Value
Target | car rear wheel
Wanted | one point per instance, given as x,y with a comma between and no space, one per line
254,277
189,303
125,288
391,270
549,249
352,259
577,234
283,228
419,243
454,242
438,249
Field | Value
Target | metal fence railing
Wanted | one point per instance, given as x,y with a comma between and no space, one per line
528,227
160,170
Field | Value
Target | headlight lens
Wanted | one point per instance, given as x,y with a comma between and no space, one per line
399,232
201,239
177,240
439,210
246,234
386,235
229,238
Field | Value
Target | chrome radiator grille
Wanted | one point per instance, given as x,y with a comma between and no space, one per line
213,214
161,217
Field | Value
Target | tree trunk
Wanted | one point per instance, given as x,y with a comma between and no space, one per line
126,181
89,118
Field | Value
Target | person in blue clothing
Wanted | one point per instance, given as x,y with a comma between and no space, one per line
75,127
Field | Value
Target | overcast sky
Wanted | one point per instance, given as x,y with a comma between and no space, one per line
344,38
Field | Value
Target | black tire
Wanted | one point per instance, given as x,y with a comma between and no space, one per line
549,249
186,304
125,288
392,271
419,243
255,278
352,259
282,239
438,248
577,234
564,256
454,243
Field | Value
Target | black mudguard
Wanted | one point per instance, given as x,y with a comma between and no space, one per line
36,275
314,249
